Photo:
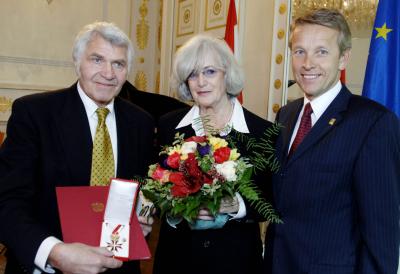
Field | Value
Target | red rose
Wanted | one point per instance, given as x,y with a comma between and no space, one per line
197,139
222,154
173,160
160,174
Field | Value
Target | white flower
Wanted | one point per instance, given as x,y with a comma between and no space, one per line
228,170
188,147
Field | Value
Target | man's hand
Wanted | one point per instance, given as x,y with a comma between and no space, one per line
81,258
146,224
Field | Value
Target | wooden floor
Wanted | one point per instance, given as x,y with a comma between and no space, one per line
146,266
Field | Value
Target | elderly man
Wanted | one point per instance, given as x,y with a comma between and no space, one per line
50,141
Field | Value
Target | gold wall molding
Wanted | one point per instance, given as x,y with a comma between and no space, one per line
157,89
279,65
141,80
146,36
5,104
159,31
142,28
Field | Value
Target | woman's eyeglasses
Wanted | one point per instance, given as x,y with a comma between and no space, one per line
207,72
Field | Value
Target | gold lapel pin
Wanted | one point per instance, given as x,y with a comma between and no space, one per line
332,121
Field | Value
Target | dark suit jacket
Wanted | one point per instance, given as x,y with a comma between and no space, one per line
236,248
49,144
155,104
338,194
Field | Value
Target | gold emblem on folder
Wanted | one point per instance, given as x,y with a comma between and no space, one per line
97,207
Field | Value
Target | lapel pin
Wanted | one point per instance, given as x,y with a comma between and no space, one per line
332,121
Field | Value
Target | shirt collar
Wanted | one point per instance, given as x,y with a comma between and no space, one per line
237,121
90,105
322,102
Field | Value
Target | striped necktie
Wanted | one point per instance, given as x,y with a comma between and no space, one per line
304,128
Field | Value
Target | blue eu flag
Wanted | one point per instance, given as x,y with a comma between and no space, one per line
382,76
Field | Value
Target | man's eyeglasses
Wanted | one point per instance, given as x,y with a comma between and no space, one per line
208,72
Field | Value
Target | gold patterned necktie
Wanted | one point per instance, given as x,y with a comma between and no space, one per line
102,154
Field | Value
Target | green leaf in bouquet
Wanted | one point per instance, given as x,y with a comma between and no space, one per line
152,168
246,175
151,195
178,138
187,208
214,204
164,205
267,211
211,189
178,207
206,163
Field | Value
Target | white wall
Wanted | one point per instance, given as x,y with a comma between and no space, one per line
256,54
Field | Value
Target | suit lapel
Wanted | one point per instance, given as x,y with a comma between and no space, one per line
75,137
289,120
332,116
127,140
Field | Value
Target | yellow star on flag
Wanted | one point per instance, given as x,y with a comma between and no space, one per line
382,32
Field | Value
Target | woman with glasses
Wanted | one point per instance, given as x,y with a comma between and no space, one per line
206,73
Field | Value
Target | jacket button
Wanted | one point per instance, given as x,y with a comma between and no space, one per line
206,244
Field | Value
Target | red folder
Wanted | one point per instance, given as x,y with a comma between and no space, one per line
81,212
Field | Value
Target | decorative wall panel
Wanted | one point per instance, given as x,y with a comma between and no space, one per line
216,13
146,35
186,17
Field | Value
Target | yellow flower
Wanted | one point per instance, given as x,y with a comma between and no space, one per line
184,157
174,149
217,143
234,155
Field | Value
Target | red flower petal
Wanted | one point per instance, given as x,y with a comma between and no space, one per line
222,154
179,191
197,139
160,174
177,178
173,160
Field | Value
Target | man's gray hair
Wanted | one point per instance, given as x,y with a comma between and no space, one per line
109,32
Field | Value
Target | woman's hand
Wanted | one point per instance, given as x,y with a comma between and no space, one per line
229,205
205,214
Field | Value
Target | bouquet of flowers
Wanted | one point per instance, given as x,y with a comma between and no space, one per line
198,172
